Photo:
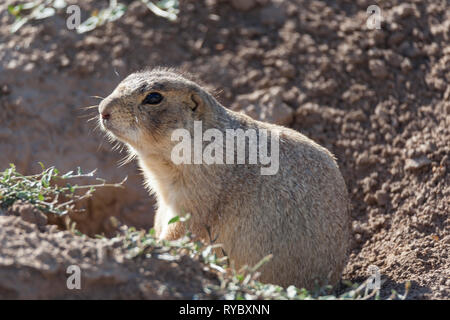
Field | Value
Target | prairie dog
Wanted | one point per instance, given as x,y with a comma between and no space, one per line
300,214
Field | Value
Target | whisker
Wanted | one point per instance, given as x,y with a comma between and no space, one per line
108,136
93,118
86,115
130,157
97,127
116,146
90,107
100,145
97,97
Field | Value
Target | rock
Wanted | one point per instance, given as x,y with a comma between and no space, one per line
382,197
370,199
292,97
137,9
409,49
286,69
243,5
393,58
358,238
396,38
281,114
425,148
29,213
4,90
273,15
405,10
406,65
365,159
64,61
249,98
356,227
266,105
378,69
416,163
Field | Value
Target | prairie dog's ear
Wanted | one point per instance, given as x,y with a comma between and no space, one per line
196,102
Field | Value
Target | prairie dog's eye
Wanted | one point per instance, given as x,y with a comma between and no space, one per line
153,98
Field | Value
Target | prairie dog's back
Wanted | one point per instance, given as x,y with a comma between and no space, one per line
300,215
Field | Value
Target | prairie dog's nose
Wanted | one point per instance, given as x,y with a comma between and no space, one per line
105,108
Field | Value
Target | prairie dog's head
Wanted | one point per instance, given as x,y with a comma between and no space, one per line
147,106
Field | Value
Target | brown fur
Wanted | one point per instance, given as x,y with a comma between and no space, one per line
300,215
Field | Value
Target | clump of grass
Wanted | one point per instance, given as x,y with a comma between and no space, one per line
41,9
113,12
166,8
235,284
33,10
49,190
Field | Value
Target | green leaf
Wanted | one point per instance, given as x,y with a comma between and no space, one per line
18,24
117,12
44,182
71,188
59,4
67,175
169,14
30,5
168,4
88,25
15,10
174,219
43,12
49,176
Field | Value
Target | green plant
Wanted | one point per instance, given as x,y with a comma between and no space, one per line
166,8
34,10
49,190
41,9
234,284
113,12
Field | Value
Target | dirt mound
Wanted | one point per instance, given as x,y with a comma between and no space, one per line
378,99
35,263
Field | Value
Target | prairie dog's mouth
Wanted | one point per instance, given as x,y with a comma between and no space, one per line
128,134
107,125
